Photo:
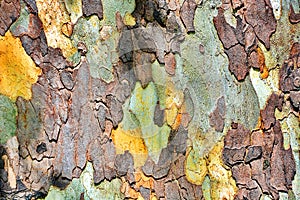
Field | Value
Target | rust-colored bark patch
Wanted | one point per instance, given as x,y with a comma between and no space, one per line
92,7
187,13
268,114
264,73
254,21
10,11
259,15
294,17
170,63
289,81
225,31
235,51
260,162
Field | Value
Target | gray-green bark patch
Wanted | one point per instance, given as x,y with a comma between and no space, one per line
8,113
84,187
205,74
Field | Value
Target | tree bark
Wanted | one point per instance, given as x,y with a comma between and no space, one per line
176,99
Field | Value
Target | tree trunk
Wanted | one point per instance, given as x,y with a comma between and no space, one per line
156,99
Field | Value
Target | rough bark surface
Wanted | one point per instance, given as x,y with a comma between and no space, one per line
158,99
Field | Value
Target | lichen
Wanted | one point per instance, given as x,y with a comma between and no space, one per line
85,187
112,7
17,70
132,141
222,184
149,137
74,8
195,168
207,77
54,15
101,42
210,171
206,188
8,113
129,20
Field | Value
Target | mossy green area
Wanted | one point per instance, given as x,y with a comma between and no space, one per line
8,113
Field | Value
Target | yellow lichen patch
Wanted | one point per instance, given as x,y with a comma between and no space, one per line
153,197
53,15
128,191
195,168
174,96
67,29
222,184
171,114
129,20
130,140
142,180
174,102
17,70
142,106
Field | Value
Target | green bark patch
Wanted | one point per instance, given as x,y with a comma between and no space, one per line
8,112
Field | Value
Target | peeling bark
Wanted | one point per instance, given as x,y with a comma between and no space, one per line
138,100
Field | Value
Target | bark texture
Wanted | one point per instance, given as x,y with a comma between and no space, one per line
149,99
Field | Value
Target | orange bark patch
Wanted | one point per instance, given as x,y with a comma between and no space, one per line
132,141
264,72
17,70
